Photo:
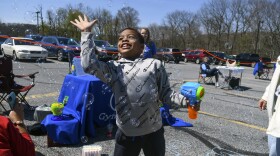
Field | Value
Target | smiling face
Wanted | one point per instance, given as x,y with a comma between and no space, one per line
130,44
145,34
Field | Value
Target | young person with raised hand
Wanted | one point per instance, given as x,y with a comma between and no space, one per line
139,86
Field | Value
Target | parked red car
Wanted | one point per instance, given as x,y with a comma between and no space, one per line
195,55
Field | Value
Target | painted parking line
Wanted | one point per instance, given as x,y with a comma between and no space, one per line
242,95
35,96
235,121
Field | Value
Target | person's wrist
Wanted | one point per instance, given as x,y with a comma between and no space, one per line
86,30
19,123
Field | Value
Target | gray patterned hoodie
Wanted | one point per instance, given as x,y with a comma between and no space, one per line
139,87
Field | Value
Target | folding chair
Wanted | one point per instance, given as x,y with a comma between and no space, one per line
206,79
8,84
265,73
260,71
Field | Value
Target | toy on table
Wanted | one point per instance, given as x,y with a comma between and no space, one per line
194,92
56,109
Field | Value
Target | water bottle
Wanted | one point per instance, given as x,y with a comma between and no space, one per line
65,100
73,69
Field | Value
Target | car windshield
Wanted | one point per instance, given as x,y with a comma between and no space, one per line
175,50
2,39
37,38
68,41
102,43
220,54
255,55
23,42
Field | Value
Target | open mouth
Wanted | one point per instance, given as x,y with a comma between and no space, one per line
125,46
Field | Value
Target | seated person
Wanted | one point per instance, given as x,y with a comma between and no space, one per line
258,69
14,138
205,69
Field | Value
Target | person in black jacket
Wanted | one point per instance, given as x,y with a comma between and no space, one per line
205,69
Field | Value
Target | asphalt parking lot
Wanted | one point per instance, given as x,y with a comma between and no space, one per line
229,122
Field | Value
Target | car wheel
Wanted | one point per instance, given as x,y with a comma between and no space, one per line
15,58
214,61
197,61
60,55
166,59
3,52
186,60
115,56
176,61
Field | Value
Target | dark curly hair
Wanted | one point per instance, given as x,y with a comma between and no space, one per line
139,36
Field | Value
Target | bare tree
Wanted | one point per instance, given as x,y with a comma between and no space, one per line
238,7
272,20
206,21
172,22
128,17
51,21
105,23
256,10
156,34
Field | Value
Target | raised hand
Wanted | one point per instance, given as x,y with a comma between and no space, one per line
83,24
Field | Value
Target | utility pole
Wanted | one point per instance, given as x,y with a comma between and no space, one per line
162,40
37,13
42,21
258,34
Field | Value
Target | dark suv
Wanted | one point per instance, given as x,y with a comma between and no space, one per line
106,51
169,54
61,47
247,59
218,57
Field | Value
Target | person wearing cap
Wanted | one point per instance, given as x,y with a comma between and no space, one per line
271,101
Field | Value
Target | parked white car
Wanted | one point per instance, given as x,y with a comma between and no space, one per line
23,48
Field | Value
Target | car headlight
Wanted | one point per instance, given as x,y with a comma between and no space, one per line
98,49
24,51
67,48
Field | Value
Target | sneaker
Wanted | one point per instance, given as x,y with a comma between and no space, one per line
217,84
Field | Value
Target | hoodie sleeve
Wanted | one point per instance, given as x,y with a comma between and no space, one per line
166,94
265,95
89,60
